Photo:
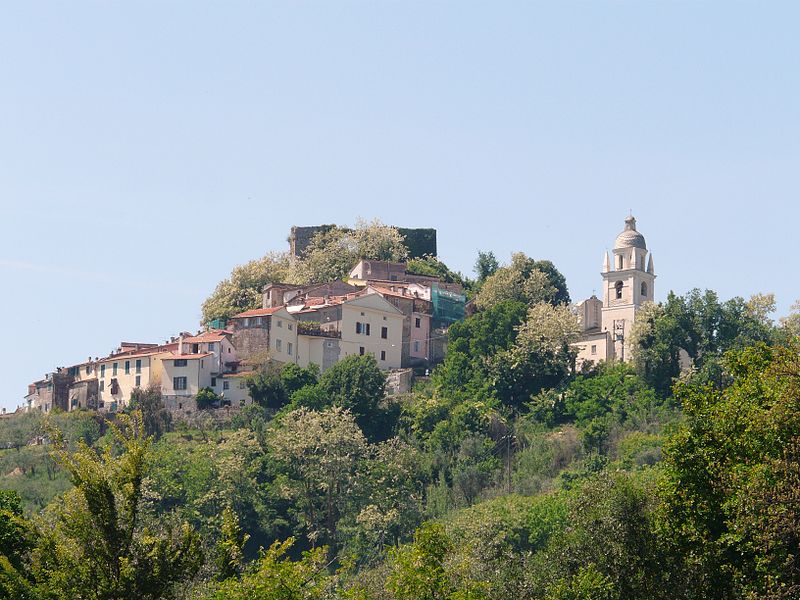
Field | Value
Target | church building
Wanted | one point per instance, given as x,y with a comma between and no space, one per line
628,282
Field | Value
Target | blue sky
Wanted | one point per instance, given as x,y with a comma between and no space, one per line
146,148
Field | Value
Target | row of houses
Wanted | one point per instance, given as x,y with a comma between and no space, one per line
382,310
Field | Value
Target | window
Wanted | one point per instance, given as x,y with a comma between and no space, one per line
180,362
280,324
384,333
138,365
242,385
127,367
383,354
278,345
213,382
138,381
358,327
180,405
257,321
179,383
289,348
367,326
211,346
361,350
416,345
88,369
594,349
644,289
102,385
247,322
289,326
226,385
619,262
329,344
102,371
114,370
417,322
618,290
229,350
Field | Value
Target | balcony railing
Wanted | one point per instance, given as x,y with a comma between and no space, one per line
311,328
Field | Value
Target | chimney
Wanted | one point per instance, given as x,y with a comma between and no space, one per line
180,344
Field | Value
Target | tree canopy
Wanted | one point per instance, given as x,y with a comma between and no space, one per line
525,280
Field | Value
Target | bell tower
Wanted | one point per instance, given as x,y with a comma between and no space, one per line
628,280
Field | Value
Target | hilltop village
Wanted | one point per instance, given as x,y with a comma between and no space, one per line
380,309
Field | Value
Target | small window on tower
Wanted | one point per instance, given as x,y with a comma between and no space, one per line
619,261
618,290
644,289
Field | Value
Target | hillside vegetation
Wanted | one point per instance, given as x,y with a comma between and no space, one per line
506,474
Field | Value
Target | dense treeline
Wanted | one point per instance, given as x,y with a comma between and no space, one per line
507,474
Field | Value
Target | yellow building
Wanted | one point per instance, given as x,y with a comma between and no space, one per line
119,374
183,376
363,323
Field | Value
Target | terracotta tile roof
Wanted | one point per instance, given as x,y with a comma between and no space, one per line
257,312
388,292
242,374
140,353
175,355
215,335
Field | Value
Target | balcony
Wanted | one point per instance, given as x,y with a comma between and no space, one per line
315,329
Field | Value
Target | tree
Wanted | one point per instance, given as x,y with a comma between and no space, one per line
295,377
319,455
610,390
431,266
471,345
729,510
155,416
357,384
266,389
702,327
332,253
17,539
542,355
388,501
608,548
486,265
277,577
242,290
96,545
418,570
206,398
791,322
524,280
376,241
229,557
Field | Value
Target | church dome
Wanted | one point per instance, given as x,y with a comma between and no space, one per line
630,237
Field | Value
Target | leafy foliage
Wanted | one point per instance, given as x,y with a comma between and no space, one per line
242,290
702,327
524,280
277,577
156,418
97,546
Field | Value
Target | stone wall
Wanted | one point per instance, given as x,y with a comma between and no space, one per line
84,394
251,340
